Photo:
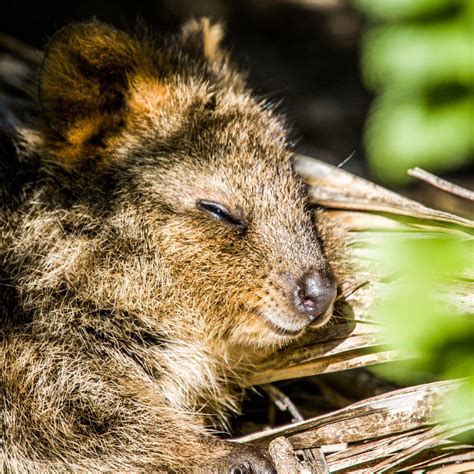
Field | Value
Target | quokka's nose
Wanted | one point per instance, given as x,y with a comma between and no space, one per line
315,293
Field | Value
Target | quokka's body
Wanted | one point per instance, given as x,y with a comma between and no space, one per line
155,243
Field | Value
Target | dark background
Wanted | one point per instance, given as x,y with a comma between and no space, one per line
302,53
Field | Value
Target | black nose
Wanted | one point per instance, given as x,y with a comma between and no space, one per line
315,293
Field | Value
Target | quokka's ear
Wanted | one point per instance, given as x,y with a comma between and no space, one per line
84,80
202,38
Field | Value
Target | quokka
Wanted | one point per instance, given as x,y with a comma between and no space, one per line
156,242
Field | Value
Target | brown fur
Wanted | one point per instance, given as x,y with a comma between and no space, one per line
130,315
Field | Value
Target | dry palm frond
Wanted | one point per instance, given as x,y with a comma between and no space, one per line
396,430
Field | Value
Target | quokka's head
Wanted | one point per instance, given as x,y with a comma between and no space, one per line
202,165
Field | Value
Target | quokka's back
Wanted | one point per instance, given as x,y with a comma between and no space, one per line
155,242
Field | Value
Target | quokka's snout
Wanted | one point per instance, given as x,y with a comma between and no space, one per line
313,295
291,303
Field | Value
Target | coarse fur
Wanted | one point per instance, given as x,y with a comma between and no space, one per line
130,314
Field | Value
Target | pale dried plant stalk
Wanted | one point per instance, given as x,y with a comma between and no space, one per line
398,429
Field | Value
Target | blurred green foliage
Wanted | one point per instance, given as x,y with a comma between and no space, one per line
426,314
418,58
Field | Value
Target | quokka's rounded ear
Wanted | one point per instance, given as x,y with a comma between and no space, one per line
202,38
84,79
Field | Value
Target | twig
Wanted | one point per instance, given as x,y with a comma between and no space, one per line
316,459
285,460
441,183
346,160
282,401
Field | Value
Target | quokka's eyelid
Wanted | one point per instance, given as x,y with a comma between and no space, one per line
220,212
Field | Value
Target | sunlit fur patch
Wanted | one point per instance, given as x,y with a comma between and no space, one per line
280,322
257,334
